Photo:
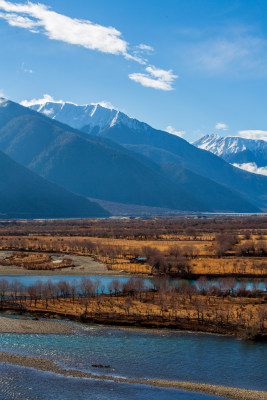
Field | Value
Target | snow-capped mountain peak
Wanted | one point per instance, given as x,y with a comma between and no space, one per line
247,154
91,118
221,145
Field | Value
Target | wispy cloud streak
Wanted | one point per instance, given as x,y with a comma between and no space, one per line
174,131
155,78
252,167
38,18
253,134
221,126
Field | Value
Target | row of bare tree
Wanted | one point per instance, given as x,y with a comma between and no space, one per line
87,287
139,228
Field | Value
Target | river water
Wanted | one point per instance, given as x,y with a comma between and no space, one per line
26,384
105,280
183,356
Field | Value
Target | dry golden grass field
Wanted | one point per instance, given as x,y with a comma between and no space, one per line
180,247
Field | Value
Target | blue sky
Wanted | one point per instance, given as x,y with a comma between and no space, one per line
196,67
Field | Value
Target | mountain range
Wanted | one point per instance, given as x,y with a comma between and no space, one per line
90,118
88,165
63,155
211,179
248,154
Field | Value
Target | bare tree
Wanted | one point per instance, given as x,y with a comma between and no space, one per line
3,288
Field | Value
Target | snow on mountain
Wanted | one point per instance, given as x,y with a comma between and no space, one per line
247,154
209,177
221,146
91,118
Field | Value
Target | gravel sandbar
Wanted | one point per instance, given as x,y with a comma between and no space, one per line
44,364
14,325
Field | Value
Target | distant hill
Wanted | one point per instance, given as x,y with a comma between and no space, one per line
24,194
248,154
164,148
91,166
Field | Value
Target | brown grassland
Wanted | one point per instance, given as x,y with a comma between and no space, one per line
165,248
174,246
205,309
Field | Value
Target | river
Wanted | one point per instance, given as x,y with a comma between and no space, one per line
183,356
28,280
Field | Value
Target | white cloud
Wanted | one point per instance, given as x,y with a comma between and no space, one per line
136,58
60,27
45,99
3,100
219,54
173,131
222,126
252,167
253,134
49,99
155,78
48,112
39,18
26,70
105,104
161,74
18,20
239,51
145,48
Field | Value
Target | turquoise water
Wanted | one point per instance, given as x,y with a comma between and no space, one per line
105,280
169,355
71,279
183,356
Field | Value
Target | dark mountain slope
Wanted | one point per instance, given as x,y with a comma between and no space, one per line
85,164
113,124
214,195
217,197
24,194
163,147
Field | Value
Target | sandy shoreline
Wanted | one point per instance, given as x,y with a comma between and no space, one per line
50,326
12,325
44,364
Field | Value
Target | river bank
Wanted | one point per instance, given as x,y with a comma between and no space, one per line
163,308
44,364
151,325
12,325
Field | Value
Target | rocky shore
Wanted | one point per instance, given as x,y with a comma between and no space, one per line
44,364
12,325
